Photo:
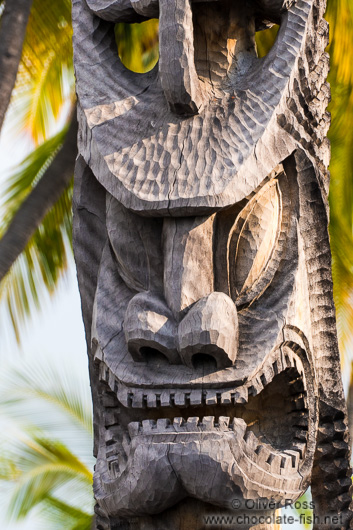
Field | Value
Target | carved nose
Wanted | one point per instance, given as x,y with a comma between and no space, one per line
209,330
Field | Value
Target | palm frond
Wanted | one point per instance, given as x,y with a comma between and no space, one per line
44,382
340,16
44,260
62,515
42,467
45,79
19,184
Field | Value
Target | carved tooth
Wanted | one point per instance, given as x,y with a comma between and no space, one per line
109,437
268,374
178,423
113,464
294,456
179,399
241,395
226,398
256,387
124,397
192,424
126,443
163,424
208,422
111,417
239,427
223,423
283,362
134,428
98,354
300,447
275,367
112,450
263,380
211,397
151,400
137,400
195,397
300,366
165,398
263,455
111,380
251,440
252,390
286,464
109,400
148,425
103,372
288,360
274,461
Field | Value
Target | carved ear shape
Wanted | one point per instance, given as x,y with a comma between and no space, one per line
255,243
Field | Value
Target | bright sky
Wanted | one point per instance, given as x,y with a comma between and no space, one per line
55,332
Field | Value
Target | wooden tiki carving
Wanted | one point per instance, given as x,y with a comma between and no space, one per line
204,265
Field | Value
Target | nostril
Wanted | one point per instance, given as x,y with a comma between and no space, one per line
150,330
204,361
209,331
153,356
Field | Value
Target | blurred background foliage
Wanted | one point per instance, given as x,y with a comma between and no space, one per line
46,457
41,108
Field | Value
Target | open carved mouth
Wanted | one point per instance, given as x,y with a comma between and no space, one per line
268,416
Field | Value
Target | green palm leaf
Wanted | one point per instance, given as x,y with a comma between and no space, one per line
42,467
39,468
45,383
44,260
340,16
62,515
45,80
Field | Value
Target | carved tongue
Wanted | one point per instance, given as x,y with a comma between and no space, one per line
176,57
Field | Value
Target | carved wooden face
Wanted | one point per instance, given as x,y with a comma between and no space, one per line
201,324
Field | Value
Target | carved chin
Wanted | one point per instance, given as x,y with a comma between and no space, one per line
257,445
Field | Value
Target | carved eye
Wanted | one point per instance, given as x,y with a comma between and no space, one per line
136,243
253,241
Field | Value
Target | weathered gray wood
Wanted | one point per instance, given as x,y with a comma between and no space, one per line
204,264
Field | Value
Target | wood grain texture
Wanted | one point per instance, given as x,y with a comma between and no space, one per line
204,265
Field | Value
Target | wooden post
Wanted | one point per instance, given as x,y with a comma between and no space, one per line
203,258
